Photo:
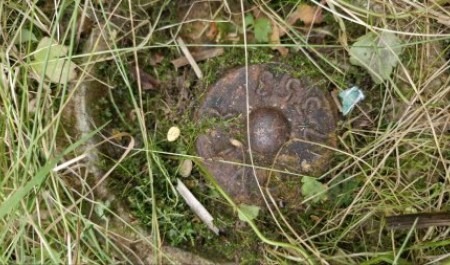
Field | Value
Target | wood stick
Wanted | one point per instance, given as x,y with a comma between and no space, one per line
424,220
198,56
189,57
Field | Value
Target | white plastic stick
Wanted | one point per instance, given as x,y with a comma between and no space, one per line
196,206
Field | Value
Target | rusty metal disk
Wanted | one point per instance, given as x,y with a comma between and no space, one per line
290,124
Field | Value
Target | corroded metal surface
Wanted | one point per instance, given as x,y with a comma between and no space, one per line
290,123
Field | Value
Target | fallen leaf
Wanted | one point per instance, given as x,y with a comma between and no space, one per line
312,187
275,40
194,22
25,36
173,133
148,82
198,56
307,14
248,212
212,31
378,53
50,61
156,59
56,70
50,47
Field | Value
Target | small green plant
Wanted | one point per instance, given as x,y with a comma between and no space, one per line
313,188
248,212
261,27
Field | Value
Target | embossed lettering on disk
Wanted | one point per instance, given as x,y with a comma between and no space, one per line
289,123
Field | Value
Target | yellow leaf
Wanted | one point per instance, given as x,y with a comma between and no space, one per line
275,39
307,14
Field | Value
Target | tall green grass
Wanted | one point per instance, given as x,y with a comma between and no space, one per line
392,155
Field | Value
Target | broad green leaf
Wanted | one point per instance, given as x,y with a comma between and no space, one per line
263,28
25,36
47,45
377,53
57,71
312,187
248,212
50,62
249,20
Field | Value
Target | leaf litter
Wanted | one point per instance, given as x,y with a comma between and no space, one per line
50,61
307,14
377,53
147,81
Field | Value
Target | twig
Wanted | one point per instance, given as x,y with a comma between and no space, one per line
198,56
189,57
424,220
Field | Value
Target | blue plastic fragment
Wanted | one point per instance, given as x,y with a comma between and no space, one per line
350,97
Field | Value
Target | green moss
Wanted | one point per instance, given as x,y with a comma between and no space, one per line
177,223
233,57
